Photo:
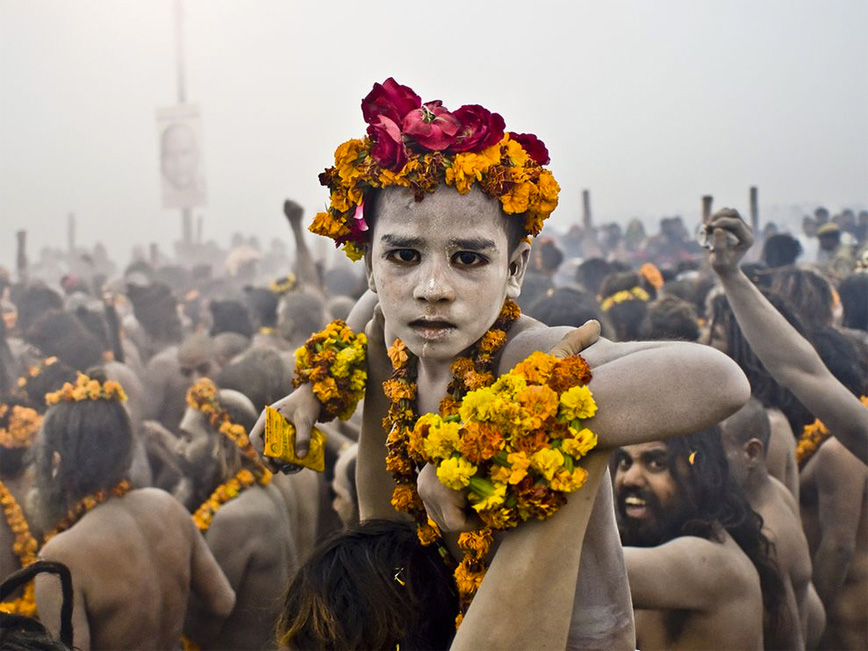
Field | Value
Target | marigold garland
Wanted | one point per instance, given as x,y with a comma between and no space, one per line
36,370
25,547
22,425
634,294
334,362
202,396
513,442
421,146
86,504
225,492
812,438
86,388
283,285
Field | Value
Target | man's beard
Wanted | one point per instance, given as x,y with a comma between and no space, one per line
664,525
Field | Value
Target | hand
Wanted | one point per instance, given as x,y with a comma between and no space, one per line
379,365
302,409
447,507
731,238
576,340
293,211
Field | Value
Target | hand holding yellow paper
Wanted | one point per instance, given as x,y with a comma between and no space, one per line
280,442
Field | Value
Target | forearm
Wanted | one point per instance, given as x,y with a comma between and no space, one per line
305,268
537,558
374,485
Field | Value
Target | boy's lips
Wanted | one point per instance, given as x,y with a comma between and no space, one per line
432,328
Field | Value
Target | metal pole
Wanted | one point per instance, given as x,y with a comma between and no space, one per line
70,232
586,210
707,200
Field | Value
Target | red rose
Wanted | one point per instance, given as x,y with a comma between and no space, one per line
389,99
431,126
388,149
534,147
480,128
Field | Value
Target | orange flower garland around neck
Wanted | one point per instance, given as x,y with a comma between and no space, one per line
514,443
421,146
25,547
202,396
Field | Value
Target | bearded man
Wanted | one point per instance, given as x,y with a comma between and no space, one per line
441,207
134,555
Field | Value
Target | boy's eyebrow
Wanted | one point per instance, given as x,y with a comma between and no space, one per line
400,241
472,243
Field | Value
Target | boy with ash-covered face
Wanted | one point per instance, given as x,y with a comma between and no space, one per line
440,264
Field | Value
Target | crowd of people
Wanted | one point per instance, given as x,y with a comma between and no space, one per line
722,499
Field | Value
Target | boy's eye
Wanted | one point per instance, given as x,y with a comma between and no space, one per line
468,259
404,256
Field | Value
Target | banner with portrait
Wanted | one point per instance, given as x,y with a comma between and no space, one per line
182,169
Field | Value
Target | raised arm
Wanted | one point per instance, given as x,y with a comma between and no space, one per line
787,355
304,265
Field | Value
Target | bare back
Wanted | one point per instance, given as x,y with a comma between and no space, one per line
132,562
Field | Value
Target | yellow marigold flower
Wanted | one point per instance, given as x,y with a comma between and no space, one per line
428,533
353,251
324,224
405,497
344,360
477,405
536,368
516,153
520,463
455,472
441,441
547,196
358,380
517,200
567,482
478,542
547,461
326,389
578,403
398,354
346,156
485,495
583,441
79,393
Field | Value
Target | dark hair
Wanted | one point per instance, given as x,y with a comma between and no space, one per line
34,301
566,307
853,291
20,633
626,317
59,333
591,273
49,379
372,587
260,374
262,303
809,294
94,439
781,250
230,316
155,308
698,464
670,317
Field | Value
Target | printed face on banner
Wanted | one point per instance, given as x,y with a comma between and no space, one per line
181,170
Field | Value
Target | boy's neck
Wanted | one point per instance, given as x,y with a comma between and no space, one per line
433,377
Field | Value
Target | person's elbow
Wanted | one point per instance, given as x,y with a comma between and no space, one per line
224,604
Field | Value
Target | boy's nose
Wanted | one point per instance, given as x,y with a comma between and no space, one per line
434,285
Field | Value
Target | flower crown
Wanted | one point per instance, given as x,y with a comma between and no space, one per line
86,388
202,397
22,423
635,294
419,146
283,285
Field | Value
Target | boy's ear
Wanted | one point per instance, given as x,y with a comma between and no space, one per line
369,270
518,262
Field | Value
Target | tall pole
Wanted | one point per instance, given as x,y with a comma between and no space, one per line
754,209
70,233
587,220
186,213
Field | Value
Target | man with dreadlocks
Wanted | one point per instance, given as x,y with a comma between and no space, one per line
242,515
697,560
135,555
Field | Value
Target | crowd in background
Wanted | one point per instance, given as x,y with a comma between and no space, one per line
158,327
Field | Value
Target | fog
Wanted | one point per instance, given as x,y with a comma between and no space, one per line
649,105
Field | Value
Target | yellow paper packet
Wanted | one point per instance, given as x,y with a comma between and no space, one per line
280,442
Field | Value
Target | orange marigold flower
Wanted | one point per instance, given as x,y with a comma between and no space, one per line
428,533
500,518
405,497
530,442
480,442
468,576
536,368
492,340
396,389
540,402
569,372
398,354
477,542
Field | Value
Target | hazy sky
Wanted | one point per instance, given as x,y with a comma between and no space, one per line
648,104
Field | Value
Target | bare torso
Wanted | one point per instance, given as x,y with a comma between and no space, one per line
130,560
781,455
251,540
732,623
847,612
